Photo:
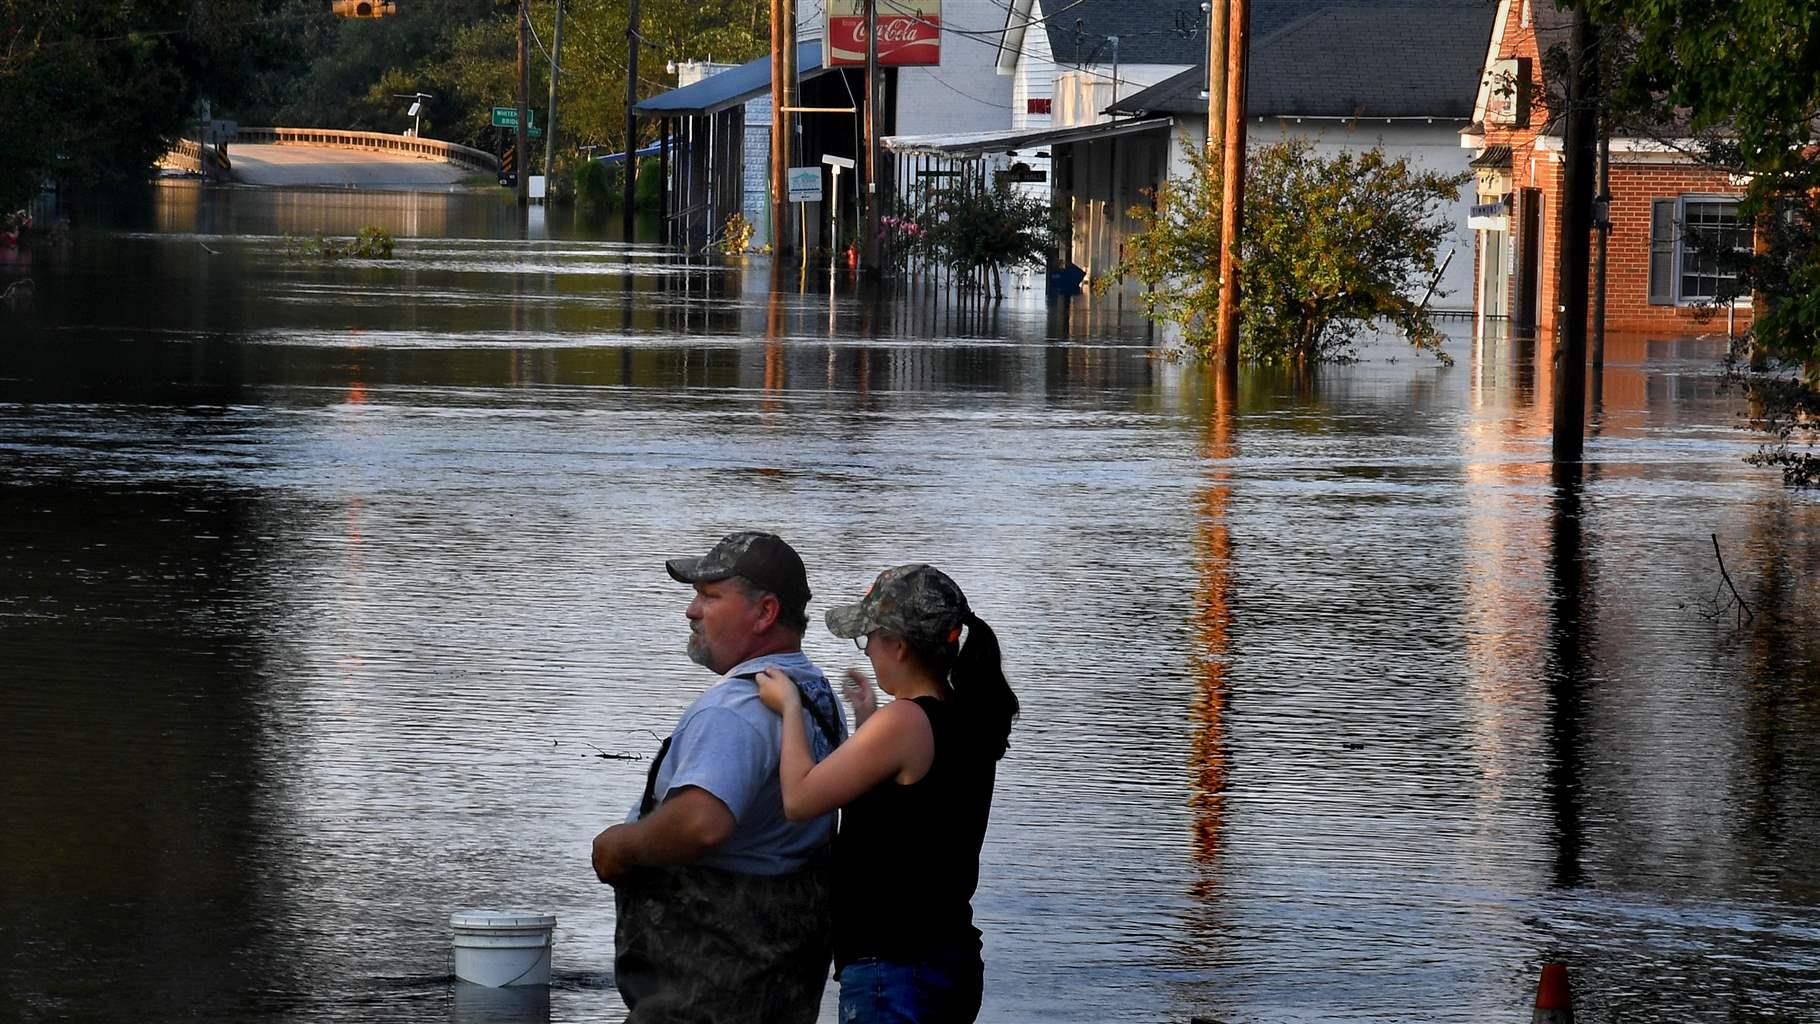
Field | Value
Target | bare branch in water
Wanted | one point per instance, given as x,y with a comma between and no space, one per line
1734,603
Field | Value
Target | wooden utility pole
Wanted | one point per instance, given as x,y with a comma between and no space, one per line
1578,167
1232,184
783,99
1602,221
869,246
629,189
1218,13
549,137
522,153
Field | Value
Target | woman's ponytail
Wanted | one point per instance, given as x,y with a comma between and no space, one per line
981,689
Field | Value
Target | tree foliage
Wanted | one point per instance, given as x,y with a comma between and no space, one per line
93,93
971,225
1743,79
1331,244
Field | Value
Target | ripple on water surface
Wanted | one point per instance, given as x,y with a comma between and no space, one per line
335,603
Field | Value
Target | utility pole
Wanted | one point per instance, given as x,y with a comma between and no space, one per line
1218,13
1232,184
870,244
549,138
783,101
1602,219
1581,150
629,190
524,102
780,168
1114,40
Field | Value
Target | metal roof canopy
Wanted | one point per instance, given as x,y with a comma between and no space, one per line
730,88
974,144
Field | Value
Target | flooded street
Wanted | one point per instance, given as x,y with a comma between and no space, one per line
325,586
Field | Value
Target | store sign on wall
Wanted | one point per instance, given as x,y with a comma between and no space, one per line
909,32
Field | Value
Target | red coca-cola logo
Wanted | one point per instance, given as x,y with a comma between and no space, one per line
904,39
895,30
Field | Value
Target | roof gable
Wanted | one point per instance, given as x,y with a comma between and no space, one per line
1352,60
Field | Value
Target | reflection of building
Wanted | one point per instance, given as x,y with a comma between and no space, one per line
1665,205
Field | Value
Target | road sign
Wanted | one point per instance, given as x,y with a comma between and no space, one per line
805,184
507,117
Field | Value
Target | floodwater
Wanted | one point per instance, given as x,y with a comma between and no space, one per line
325,586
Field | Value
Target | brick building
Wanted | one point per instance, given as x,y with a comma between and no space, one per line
1661,278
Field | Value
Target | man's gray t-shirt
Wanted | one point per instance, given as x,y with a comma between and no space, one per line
728,744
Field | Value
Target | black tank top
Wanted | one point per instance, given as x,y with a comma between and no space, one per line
907,858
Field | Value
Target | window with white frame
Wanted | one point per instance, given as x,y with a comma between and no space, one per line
1691,239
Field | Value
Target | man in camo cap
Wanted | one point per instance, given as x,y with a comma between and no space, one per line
723,903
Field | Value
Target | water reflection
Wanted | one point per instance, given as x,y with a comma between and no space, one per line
1213,634
327,584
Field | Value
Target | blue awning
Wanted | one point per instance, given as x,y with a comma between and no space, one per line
730,88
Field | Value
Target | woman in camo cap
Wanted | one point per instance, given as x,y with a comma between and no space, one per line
915,785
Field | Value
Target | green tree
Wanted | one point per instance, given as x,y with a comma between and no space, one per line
1743,77
1330,246
92,94
972,226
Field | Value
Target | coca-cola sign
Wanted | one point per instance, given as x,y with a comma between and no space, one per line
909,32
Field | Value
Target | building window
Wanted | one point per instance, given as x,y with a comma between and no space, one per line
1690,242
1037,107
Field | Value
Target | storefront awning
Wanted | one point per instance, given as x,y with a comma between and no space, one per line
976,144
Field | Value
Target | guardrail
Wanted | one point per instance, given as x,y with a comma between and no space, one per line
192,156
453,152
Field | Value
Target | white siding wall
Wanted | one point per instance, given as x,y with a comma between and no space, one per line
965,93
1034,78
1082,92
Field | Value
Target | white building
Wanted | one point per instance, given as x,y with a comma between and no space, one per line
1346,74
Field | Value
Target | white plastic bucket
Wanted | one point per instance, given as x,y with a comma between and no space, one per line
496,948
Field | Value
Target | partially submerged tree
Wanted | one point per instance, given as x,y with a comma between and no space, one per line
978,228
1332,244
1742,79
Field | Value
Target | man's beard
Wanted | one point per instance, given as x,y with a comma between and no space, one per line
699,652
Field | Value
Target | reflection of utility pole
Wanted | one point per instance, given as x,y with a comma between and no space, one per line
629,188
1571,613
549,139
522,152
870,246
1232,191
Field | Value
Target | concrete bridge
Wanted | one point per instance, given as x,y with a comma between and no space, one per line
331,157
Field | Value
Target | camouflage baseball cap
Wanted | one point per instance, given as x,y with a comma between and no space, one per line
763,559
917,602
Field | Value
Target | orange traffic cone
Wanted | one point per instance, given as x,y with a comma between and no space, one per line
1554,1000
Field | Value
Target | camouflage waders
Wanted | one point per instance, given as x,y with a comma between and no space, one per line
699,945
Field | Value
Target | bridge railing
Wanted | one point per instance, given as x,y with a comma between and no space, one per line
453,152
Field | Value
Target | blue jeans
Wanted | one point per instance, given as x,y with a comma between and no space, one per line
943,989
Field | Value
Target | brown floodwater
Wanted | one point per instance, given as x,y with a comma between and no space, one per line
324,586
